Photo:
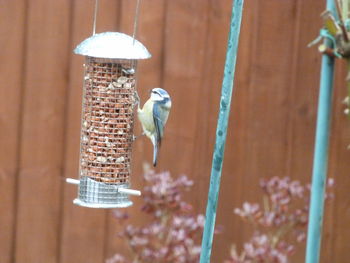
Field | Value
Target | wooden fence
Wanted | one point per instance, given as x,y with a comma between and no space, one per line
271,128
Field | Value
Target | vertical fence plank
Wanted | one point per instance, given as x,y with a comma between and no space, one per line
214,59
304,86
269,92
185,46
12,49
45,83
151,27
337,236
303,99
83,229
268,99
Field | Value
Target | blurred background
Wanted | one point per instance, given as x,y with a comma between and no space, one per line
271,130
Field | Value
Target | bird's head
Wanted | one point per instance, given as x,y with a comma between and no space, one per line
160,95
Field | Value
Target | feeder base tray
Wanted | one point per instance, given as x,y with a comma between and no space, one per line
96,194
79,202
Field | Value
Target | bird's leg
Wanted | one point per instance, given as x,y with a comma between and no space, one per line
138,136
137,99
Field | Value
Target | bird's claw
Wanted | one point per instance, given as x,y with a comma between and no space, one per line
137,98
136,137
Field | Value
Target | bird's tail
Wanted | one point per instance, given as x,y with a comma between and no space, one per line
155,152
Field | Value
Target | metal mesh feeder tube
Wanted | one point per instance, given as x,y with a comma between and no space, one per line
107,122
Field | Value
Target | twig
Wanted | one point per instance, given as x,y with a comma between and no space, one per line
341,21
281,232
266,204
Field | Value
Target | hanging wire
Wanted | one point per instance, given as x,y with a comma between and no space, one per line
137,12
95,17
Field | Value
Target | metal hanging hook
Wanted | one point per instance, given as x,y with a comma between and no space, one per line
95,18
137,14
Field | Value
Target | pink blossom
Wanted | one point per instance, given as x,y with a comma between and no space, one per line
174,233
116,259
248,210
284,217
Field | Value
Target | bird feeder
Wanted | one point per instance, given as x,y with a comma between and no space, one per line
109,89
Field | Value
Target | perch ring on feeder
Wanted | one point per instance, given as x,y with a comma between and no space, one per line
107,119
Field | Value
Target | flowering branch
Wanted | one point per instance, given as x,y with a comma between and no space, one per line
173,234
278,225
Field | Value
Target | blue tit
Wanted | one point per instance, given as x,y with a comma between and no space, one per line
153,117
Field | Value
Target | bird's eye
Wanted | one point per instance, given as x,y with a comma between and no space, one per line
156,92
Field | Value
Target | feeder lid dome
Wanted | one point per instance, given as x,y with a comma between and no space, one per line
113,45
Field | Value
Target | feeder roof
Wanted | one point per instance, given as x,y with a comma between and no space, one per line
112,45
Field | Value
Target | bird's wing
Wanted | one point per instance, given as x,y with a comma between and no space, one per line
158,122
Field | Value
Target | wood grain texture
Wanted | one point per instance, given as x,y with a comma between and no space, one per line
12,45
303,101
336,235
45,82
186,27
271,129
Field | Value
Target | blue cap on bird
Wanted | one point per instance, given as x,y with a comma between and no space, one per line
161,92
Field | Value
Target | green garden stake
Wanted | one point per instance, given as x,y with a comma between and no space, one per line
221,130
319,173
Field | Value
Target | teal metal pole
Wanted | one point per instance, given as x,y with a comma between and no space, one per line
221,130
319,173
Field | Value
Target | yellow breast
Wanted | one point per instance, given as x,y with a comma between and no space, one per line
145,116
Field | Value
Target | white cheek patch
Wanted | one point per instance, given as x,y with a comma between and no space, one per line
168,104
156,97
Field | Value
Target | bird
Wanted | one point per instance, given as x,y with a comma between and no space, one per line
153,117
